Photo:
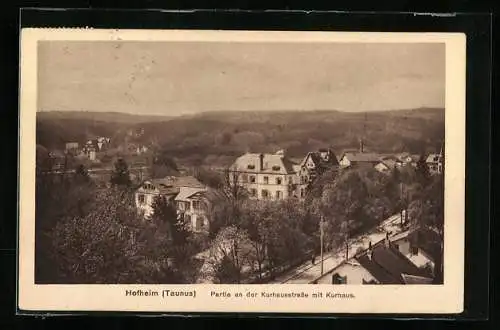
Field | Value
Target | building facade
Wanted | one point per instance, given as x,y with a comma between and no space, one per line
168,187
265,176
312,166
383,263
435,163
192,207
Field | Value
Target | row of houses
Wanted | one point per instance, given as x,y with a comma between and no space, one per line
405,258
275,176
265,177
89,148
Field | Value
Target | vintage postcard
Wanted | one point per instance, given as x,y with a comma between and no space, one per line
241,171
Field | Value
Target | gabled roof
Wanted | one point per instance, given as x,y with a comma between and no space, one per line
186,192
433,158
389,163
179,181
318,160
172,185
388,265
269,161
411,279
369,157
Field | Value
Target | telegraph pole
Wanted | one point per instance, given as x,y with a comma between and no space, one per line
321,243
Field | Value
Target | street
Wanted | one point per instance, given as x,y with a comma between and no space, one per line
306,273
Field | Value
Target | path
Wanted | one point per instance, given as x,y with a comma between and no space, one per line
307,272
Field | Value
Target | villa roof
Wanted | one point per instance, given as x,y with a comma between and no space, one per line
272,163
369,157
388,265
186,192
433,158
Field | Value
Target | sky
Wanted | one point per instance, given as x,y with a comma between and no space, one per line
177,78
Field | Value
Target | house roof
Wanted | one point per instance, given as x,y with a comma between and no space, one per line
388,265
369,157
411,279
428,241
433,158
318,160
269,161
389,163
179,181
186,192
172,185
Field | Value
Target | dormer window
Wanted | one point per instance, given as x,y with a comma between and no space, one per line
251,167
276,168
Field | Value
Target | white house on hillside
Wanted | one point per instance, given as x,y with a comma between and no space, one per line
266,176
168,187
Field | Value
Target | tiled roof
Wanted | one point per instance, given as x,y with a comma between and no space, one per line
319,161
411,279
186,192
389,163
428,241
388,265
179,181
269,161
433,158
364,157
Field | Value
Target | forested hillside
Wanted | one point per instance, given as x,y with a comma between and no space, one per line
215,137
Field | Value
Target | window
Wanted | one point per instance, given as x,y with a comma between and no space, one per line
302,192
200,223
337,279
252,179
396,246
253,192
414,250
303,179
244,178
196,205
142,199
251,167
279,194
266,179
278,180
265,193
276,168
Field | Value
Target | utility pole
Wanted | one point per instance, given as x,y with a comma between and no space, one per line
402,203
321,243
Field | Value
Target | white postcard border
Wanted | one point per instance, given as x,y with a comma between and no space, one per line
409,299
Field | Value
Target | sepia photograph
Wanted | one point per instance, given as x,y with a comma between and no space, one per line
268,161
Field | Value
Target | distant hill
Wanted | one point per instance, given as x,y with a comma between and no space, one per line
215,138
114,117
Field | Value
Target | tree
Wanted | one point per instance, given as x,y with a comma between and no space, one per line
121,175
422,171
226,202
81,174
111,245
165,215
209,178
229,254
163,165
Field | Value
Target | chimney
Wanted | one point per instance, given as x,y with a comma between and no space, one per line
261,156
387,240
370,251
